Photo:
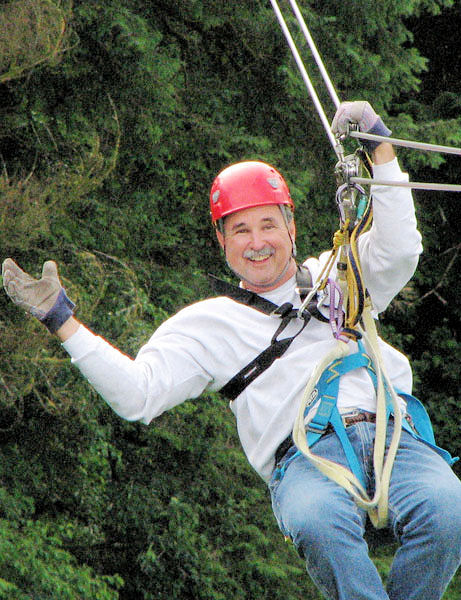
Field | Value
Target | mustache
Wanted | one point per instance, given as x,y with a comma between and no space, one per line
259,254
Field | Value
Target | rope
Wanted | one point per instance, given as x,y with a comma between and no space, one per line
357,308
382,466
376,506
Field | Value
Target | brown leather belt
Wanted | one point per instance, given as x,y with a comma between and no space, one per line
350,419
353,419
359,418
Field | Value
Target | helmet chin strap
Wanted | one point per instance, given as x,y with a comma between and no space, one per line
293,247
284,210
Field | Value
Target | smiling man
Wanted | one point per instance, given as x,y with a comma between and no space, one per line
252,210
208,344
258,247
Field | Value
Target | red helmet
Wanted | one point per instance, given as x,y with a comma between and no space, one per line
245,185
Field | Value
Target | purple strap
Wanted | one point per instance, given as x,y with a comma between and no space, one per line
336,312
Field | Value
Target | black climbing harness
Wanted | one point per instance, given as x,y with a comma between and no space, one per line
286,313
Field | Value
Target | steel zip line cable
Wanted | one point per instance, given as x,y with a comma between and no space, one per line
406,143
415,185
306,78
336,145
315,54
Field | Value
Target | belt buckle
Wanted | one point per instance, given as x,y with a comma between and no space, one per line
354,413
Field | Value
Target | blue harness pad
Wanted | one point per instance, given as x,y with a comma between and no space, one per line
325,396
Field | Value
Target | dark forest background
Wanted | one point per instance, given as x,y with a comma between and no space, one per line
115,117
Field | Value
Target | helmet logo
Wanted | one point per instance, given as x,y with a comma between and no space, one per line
273,182
215,196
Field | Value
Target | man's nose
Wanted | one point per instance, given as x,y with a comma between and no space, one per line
257,240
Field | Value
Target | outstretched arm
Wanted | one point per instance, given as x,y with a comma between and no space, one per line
134,389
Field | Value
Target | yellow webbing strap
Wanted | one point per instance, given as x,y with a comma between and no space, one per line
383,462
377,506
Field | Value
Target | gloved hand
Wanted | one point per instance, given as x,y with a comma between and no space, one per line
364,116
44,298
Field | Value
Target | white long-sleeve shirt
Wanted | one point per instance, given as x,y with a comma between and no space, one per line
204,345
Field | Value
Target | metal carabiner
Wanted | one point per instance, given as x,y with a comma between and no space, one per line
308,298
349,209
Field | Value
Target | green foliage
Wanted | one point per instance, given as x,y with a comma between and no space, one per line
34,33
34,564
116,116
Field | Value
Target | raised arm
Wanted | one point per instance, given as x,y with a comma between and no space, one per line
389,251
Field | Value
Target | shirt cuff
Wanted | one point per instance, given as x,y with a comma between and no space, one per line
80,343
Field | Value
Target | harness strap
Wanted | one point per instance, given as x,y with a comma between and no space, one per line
341,475
382,461
327,412
235,386
253,300
325,395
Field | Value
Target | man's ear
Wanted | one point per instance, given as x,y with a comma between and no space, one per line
220,237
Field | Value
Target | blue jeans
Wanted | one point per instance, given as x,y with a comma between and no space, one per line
328,528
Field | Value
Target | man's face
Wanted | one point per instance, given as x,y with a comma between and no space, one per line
258,247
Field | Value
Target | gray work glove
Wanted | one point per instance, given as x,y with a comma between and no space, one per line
362,114
44,298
